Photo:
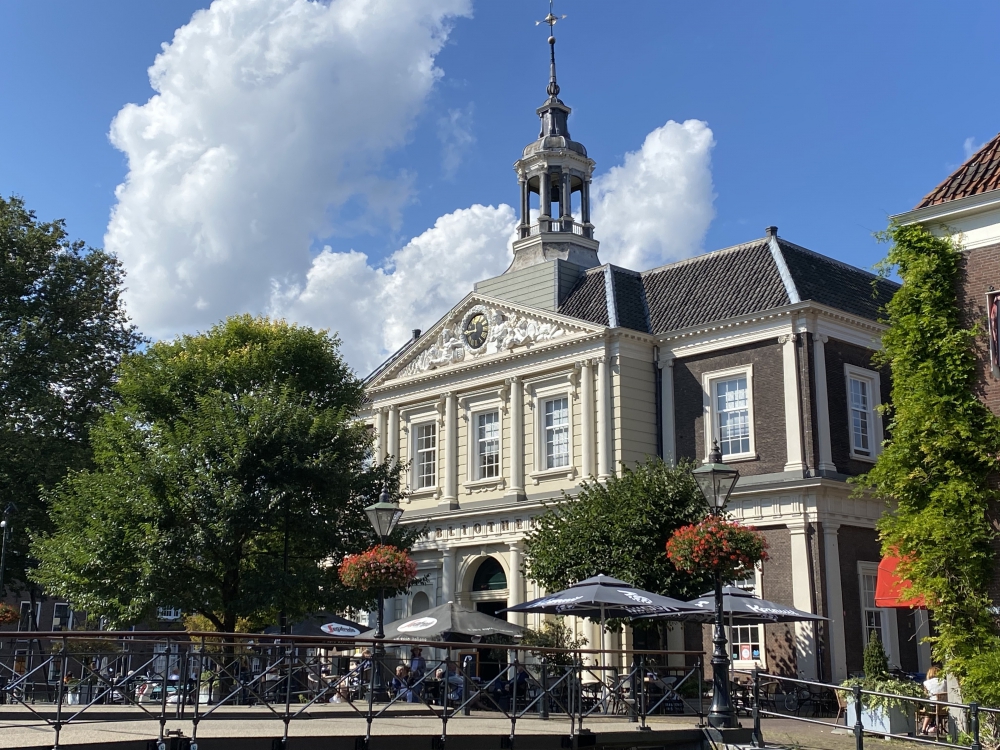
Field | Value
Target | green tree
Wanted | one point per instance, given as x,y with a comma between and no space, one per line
63,331
221,447
619,528
936,468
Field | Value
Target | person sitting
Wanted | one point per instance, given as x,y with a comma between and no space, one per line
400,684
937,690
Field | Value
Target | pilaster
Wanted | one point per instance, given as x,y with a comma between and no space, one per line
603,418
588,409
802,598
515,583
392,444
667,424
822,405
515,462
793,409
450,497
834,601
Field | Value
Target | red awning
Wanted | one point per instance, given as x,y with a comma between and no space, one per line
893,591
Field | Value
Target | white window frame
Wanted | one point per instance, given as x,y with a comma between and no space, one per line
410,420
474,408
874,418
68,624
38,614
541,393
708,381
890,631
749,663
169,614
415,451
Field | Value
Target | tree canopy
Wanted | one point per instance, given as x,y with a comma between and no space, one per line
619,528
63,331
220,447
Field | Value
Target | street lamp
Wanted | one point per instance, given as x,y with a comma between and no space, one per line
716,481
383,516
8,514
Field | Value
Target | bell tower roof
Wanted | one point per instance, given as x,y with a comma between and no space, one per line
556,168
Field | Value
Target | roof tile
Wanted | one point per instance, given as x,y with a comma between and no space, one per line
979,174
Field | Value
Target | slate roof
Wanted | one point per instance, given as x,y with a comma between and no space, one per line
725,284
980,174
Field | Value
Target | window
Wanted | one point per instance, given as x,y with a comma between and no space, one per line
556,433
871,615
26,622
488,444
745,640
168,613
426,463
729,412
62,617
863,422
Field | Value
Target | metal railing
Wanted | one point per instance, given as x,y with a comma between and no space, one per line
806,692
556,225
59,679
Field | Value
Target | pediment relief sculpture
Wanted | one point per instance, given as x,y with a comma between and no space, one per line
481,331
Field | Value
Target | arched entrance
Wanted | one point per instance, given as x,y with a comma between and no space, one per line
420,602
489,587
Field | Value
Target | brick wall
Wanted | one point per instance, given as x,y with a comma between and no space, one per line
768,404
979,275
839,353
776,586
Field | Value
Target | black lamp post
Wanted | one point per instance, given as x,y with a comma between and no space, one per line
8,514
383,516
716,481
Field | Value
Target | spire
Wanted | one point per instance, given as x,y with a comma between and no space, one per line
553,113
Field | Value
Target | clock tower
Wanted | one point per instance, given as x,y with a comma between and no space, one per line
556,169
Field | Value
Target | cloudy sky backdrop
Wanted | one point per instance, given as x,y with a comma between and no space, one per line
347,164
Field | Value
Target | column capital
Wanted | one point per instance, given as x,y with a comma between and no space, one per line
788,337
820,338
830,527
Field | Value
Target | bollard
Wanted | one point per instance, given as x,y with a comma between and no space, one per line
859,728
974,726
757,737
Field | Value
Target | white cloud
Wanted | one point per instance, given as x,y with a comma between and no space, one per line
455,134
269,116
969,146
656,207
375,308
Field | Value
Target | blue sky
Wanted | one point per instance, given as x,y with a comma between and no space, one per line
826,118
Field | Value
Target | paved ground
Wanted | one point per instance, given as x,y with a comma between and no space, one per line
19,730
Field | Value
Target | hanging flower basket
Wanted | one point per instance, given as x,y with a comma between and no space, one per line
8,615
717,545
381,567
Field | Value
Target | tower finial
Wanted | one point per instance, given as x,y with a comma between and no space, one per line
551,19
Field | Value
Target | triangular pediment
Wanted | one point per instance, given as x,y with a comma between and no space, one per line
480,328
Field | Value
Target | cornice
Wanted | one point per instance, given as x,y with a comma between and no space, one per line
952,209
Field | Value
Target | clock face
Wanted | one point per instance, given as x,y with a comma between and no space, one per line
476,331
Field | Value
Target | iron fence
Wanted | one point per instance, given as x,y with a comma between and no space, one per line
58,679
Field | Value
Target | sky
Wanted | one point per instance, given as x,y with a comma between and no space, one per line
348,164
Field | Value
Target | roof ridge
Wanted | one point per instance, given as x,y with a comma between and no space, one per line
834,261
711,253
933,198
791,289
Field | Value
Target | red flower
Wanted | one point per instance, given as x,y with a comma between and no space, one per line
718,545
382,566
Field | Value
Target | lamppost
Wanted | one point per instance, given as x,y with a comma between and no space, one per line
8,514
716,481
383,516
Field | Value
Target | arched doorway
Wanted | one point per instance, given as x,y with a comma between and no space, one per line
489,587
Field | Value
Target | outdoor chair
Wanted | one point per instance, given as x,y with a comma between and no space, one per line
841,705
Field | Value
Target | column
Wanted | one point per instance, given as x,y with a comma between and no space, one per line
448,576
516,459
381,423
587,431
545,192
515,584
565,201
392,444
822,404
834,602
585,202
802,589
667,424
450,497
525,202
793,406
603,419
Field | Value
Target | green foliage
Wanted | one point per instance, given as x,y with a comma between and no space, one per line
220,446
875,661
944,446
886,684
63,331
619,528
553,634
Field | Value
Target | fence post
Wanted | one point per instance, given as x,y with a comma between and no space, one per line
758,738
859,727
974,725
635,686
701,695
543,699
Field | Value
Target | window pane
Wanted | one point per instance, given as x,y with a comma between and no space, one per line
488,437
860,416
733,416
426,441
556,433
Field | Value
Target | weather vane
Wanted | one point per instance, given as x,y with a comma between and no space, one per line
551,19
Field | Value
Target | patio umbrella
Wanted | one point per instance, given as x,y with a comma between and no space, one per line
448,622
322,623
743,608
603,597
